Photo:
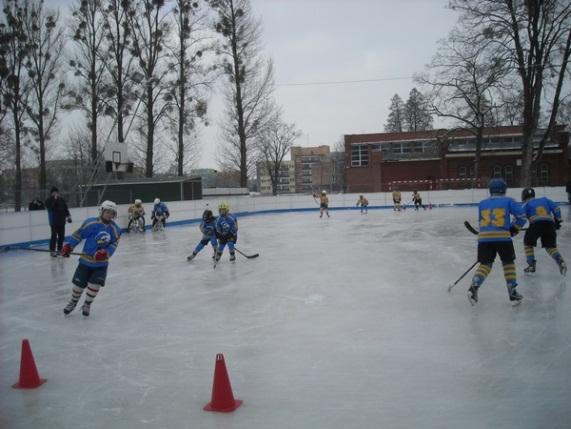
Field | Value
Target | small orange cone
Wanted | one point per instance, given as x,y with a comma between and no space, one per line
222,398
29,377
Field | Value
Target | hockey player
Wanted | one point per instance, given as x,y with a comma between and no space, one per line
417,200
544,219
160,213
226,231
208,229
496,232
396,200
101,235
136,214
364,203
323,203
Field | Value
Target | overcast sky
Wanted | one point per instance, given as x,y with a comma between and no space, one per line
344,40
339,40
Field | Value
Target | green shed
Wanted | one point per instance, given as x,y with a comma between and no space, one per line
146,189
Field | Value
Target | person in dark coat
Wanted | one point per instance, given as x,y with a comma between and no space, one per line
568,189
58,214
36,204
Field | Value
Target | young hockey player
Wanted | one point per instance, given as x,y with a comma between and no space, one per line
417,200
496,232
226,231
136,214
323,203
208,229
396,200
544,219
101,235
160,213
364,203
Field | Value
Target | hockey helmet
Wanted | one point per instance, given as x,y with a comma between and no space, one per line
497,186
108,206
527,194
223,207
323,192
157,201
138,202
207,215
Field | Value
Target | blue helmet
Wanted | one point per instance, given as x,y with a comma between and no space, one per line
497,186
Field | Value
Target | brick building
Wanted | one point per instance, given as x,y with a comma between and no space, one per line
441,159
304,159
286,178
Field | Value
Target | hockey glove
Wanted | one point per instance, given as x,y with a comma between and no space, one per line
557,223
66,250
514,231
101,255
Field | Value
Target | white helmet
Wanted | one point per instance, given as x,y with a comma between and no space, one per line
323,192
138,202
108,205
157,201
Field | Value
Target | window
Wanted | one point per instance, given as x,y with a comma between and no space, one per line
497,171
509,174
462,172
376,147
544,174
359,155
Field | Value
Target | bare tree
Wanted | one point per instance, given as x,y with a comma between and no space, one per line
535,36
273,145
118,61
148,20
249,87
188,91
464,80
395,121
16,88
45,41
90,91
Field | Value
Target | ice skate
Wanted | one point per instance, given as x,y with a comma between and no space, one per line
473,295
530,268
232,257
85,309
515,297
563,268
54,254
69,307
191,257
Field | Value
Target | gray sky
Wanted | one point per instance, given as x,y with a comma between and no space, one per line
338,40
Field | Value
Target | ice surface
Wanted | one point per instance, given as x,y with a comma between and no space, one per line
340,323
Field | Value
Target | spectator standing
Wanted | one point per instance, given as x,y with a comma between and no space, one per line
58,214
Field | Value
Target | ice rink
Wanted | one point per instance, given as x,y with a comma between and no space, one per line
340,323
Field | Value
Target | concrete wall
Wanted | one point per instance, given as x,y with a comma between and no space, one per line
28,227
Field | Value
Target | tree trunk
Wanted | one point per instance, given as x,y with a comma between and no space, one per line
18,185
93,119
181,112
150,133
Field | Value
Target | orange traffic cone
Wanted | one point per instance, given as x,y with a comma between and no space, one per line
222,398
29,377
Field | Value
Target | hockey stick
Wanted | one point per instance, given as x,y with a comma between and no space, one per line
474,231
246,256
30,249
462,276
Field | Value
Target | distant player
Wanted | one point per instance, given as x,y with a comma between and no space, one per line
417,200
496,231
160,213
544,219
208,229
396,200
226,231
101,235
364,203
136,214
323,203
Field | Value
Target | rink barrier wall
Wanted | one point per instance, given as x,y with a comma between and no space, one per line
25,229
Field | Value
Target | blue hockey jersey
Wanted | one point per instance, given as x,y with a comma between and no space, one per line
541,210
495,215
226,225
97,235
